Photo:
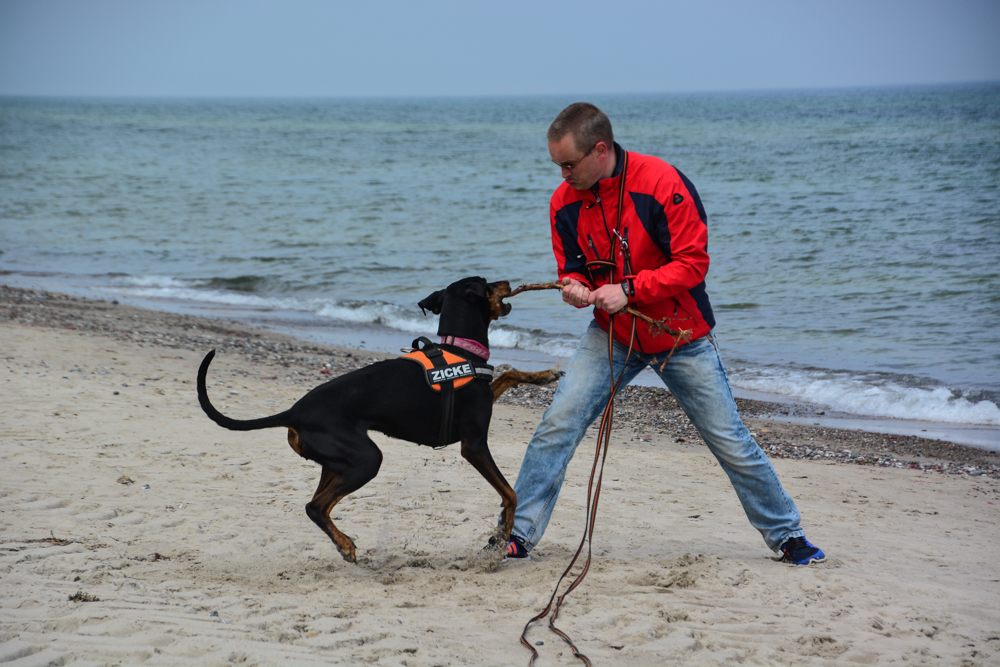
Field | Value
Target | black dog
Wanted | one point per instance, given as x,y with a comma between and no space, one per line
330,424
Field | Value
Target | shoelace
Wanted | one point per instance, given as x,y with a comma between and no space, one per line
792,545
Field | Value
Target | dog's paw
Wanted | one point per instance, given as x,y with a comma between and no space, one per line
348,550
554,375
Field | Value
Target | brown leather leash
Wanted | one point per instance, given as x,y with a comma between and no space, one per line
600,455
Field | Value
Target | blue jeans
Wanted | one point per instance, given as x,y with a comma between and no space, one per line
697,379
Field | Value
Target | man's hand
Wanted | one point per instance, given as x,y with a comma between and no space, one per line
609,298
576,293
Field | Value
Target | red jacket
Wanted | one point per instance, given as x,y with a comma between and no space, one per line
666,228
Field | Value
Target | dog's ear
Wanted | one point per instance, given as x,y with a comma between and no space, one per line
432,303
475,291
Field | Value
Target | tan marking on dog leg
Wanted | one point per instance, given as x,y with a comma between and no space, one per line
293,440
488,469
319,509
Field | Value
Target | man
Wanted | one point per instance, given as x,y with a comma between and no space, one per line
650,255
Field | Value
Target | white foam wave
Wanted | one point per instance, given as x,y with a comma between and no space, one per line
163,287
154,282
846,392
852,394
518,339
357,312
376,312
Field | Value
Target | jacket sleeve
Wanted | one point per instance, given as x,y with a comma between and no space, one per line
681,234
570,260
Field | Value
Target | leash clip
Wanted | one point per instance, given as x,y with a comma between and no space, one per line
622,239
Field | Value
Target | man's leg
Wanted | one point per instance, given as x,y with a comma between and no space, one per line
697,379
580,398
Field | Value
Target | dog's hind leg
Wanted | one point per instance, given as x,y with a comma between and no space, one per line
327,495
354,465
478,454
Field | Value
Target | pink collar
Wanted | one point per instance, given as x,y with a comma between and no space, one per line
468,344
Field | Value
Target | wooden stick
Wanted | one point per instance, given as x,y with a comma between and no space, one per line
677,335
534,287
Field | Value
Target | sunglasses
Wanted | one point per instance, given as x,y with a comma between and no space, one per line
570,166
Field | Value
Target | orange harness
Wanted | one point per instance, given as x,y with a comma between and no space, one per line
445,373
457,370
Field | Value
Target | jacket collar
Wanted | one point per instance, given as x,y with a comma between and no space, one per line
619,163
619,160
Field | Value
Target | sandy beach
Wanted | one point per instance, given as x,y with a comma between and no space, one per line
135,531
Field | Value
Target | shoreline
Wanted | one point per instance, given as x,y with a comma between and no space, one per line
367,336
134,531
778,427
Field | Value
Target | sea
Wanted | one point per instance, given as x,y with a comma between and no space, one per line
854,234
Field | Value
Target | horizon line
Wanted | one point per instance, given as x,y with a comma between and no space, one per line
415,96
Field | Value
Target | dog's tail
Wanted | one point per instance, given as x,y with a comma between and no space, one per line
222,420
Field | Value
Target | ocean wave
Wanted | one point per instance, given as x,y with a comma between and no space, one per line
871,395
511,337
167,287
373,312
378,312
867,396
152,282
205,290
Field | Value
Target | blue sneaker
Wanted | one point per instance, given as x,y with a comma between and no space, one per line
798,551
515,549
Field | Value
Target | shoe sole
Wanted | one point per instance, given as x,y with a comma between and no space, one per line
806,562
511,559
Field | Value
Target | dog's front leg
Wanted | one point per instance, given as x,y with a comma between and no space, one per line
512,379
477,452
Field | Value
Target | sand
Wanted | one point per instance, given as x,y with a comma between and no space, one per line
135,531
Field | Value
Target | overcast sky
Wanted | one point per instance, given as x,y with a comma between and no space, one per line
312,48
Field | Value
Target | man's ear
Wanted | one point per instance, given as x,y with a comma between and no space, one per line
474,292
432,303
